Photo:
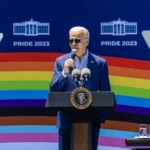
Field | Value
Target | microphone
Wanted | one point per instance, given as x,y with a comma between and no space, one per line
76,76
85,73
73,55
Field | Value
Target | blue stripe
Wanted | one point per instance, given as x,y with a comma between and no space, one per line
117,133
133,101
28,129
24,94
42,94
53,129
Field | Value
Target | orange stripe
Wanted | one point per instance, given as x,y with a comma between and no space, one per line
128,72
51,57
26,66
49,120
49,66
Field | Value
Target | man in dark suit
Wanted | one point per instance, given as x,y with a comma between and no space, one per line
62,81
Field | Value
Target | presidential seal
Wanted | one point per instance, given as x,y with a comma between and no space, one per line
81,98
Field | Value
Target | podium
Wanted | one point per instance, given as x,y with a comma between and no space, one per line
81,136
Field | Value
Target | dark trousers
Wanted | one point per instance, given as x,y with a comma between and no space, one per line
65,137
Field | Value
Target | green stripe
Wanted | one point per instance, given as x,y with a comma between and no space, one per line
44,85
24,85
128,91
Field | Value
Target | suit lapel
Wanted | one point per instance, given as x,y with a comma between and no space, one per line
92,65
91,62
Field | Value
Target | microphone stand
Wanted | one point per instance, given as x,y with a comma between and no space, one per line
77,82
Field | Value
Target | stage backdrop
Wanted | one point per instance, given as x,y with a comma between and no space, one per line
34,33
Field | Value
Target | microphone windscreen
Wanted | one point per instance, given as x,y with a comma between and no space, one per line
74,51
76,72
73,55
85,71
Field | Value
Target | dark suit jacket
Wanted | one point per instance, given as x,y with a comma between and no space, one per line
99,80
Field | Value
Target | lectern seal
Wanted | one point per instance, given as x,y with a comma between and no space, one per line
81,98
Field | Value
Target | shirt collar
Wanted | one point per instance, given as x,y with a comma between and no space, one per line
85,57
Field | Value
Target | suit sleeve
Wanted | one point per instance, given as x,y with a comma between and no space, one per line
104,85
58,80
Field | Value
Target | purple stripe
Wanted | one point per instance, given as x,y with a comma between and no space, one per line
53,137
41,103
133,110
28,137
22,103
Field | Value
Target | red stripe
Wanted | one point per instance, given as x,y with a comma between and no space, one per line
21,57
128,63
51,57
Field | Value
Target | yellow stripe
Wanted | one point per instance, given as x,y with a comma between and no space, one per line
47,76
130,82
25,75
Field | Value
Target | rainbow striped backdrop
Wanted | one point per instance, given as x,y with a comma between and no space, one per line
24,81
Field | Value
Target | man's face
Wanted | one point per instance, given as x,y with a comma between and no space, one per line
78,41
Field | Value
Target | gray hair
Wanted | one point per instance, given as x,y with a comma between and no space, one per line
85,31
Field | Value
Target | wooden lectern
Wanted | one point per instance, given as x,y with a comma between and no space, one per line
81,118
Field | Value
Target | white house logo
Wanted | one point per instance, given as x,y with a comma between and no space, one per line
31,28
1,36
119,28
